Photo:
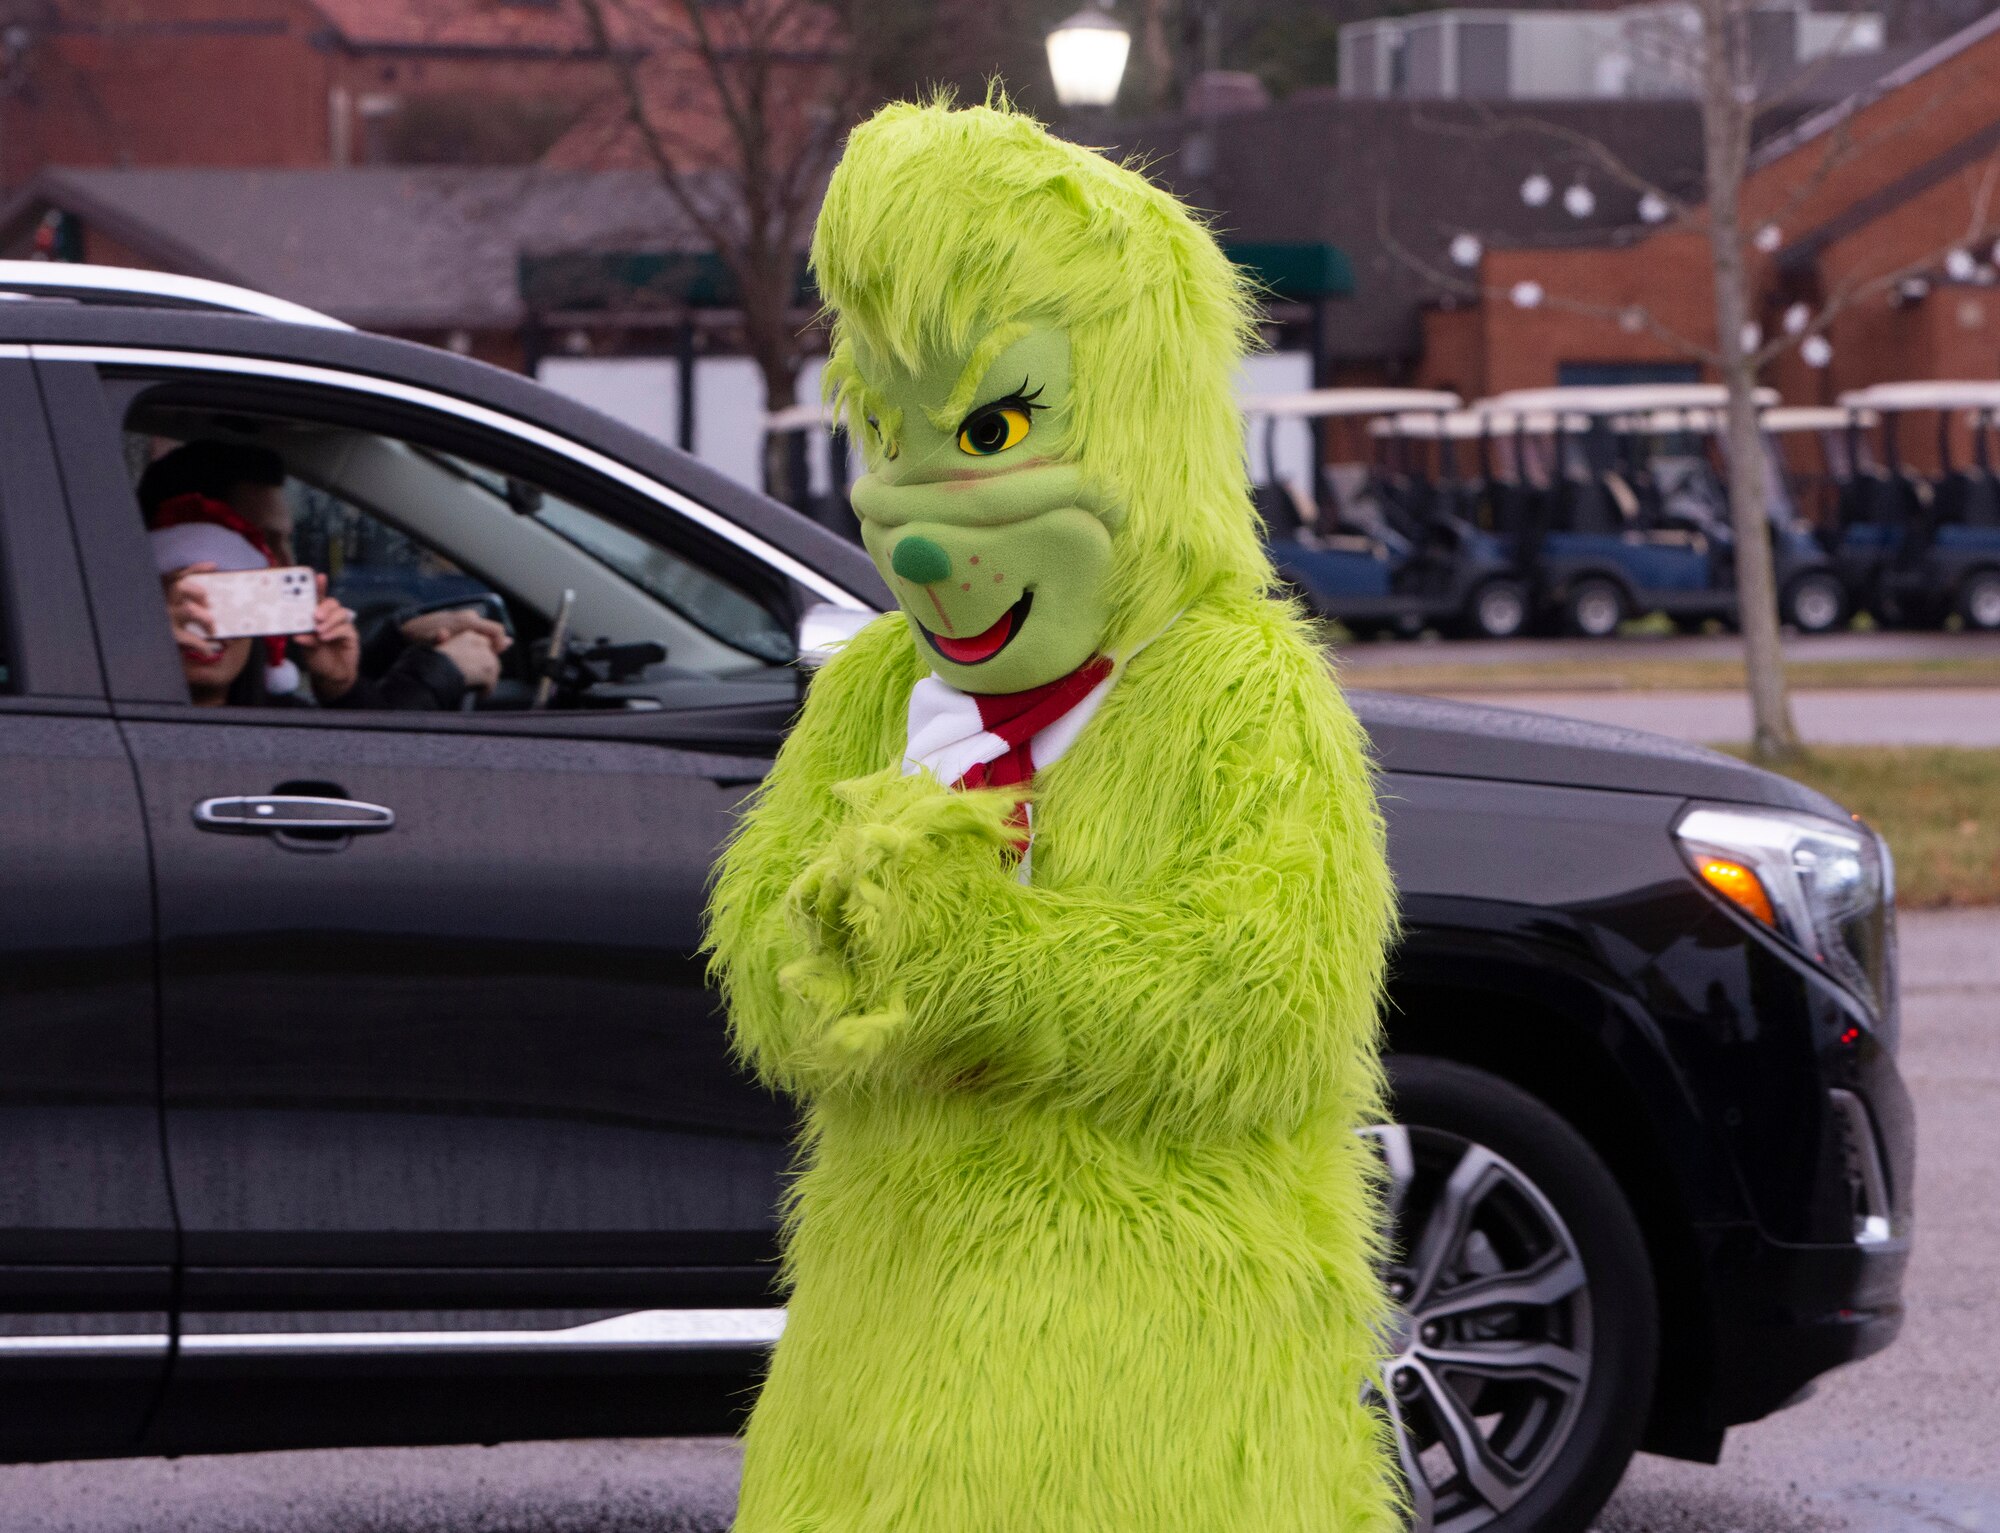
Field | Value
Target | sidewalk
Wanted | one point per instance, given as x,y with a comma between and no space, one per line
1830,647
1968,716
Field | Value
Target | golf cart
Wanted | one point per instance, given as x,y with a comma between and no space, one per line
1915,549
1624,510
1381,546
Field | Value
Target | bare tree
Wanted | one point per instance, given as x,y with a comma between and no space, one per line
741,111
1716,59
1728,86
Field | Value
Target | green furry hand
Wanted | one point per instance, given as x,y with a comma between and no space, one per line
865,905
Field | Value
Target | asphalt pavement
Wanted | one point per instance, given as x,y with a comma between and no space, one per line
1906,1442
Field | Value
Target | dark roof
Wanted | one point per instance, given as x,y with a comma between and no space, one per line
464,26
1370,177
1892,78
384,249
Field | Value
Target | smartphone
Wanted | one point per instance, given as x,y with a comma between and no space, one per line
248,604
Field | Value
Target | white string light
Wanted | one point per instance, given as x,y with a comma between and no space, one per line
1526,295
1653,208
1751,335
1960,266
1536,190
1817,350
1768,238
1579,201
1466,250
1797,317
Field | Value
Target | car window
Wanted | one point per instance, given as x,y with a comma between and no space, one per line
582,608
698,594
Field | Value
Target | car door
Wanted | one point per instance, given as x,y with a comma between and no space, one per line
86,1226
462,1057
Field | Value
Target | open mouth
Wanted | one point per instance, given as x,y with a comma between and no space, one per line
981,647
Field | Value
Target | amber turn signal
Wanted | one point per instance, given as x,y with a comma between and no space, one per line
1739,886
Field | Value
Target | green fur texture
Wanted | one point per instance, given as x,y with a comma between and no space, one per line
1083,1239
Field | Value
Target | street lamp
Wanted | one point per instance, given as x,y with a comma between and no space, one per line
1087,56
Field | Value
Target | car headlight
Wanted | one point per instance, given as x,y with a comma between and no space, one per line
1826,887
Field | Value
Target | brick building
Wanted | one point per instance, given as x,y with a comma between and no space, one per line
1885,207
292,82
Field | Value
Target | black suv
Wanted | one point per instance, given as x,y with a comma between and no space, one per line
358,1078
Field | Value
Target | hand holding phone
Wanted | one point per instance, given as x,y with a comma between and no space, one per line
248,604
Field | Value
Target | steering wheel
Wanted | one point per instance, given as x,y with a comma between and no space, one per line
488,604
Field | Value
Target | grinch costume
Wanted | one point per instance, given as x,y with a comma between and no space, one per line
1063,908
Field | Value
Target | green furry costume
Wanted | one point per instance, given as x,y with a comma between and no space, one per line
1084,1238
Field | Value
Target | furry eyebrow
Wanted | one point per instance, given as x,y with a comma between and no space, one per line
947,416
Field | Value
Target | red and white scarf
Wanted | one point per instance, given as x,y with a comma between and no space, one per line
980,740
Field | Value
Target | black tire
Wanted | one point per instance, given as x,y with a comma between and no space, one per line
1593,608
1498,609
1979,601
1528,1171
1815,602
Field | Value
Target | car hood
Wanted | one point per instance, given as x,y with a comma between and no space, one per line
1451,739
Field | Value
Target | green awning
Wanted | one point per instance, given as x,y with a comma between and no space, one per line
1299,273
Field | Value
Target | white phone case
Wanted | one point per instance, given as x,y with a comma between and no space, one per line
248,604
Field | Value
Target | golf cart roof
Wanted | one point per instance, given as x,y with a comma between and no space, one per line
1778,419
800,417
1470,425
1925,395
1619,398
1816,418
1316,404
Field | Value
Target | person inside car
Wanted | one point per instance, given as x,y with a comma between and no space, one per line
250,481
194,536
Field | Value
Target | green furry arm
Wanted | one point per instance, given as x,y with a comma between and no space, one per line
1234,991
853,701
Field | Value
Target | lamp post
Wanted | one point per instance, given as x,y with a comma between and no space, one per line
1087,56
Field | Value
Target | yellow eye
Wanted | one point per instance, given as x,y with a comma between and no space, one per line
993,431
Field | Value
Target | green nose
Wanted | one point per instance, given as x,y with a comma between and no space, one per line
921,562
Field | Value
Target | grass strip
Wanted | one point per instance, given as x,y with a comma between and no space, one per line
1937,806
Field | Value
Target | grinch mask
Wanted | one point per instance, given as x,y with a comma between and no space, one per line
995,547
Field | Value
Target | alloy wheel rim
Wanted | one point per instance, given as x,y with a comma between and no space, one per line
1816,607
1984,607
1597,613
1501,613
1492,1350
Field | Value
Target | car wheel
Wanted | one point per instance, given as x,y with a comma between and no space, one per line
1815,603
1498,609
1594,608
1979,601
1521,1371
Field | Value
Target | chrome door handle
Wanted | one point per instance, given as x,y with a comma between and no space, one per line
285,811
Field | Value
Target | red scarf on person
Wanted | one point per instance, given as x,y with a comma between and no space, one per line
999,740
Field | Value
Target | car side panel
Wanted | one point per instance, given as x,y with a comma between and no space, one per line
86,1222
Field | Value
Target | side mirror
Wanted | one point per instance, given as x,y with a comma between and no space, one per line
823,630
